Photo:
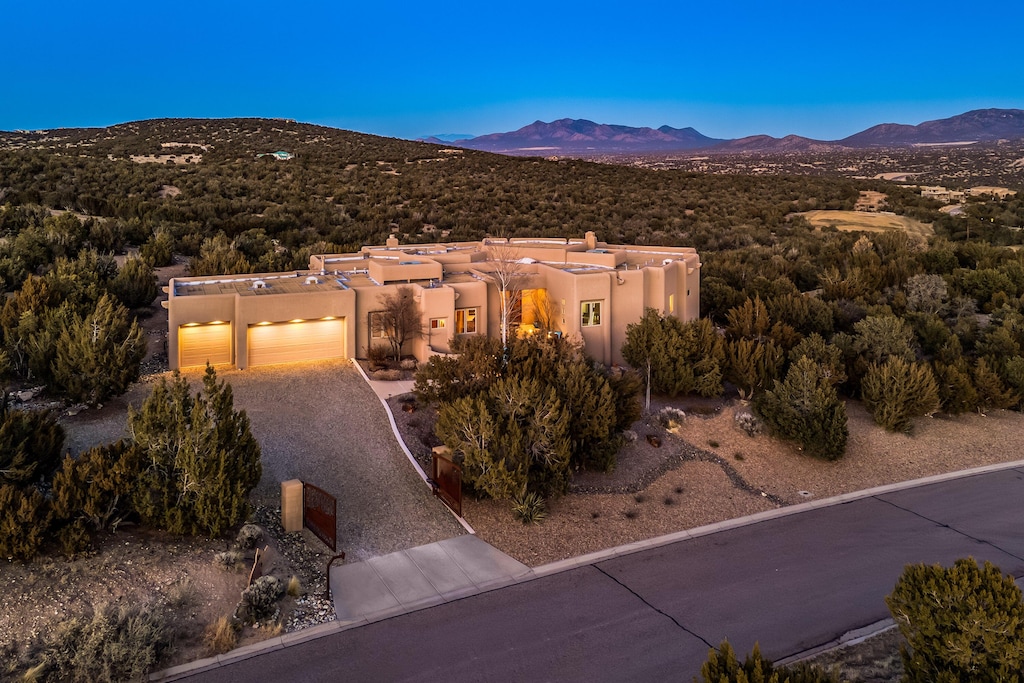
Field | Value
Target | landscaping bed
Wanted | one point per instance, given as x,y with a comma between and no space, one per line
708,469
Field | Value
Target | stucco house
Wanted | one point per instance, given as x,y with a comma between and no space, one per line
584,289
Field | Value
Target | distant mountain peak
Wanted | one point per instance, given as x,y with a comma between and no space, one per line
583,137
569,136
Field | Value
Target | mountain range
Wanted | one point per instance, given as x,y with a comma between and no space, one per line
582,137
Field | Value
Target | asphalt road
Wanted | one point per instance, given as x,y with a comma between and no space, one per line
791,583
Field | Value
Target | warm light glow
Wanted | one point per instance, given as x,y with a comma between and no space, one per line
190,325
328,317
297,320
265,322
215,322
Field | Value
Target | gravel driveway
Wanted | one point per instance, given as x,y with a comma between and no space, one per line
321,423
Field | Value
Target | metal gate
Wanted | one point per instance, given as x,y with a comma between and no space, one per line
446,480
320,514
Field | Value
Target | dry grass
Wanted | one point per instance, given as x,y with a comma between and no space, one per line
867,222
221,636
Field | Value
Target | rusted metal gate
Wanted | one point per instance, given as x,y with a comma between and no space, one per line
446,480
320,514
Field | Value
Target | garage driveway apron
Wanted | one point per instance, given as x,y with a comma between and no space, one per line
321,423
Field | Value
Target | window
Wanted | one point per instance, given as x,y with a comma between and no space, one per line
438,323
671,303
465,320
378,325
591,313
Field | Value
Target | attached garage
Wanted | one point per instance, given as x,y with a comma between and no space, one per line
296,341
202,343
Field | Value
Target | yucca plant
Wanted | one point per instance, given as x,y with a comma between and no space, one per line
529,508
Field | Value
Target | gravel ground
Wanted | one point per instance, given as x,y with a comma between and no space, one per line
321,423
709,470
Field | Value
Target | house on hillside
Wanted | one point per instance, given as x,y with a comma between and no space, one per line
576,288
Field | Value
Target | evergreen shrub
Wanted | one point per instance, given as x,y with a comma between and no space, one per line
962,624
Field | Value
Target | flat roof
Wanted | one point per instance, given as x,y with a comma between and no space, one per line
249,285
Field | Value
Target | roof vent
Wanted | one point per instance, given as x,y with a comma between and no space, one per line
259,284
667,261
312,280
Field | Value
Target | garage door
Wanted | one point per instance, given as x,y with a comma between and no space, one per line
199,344
296,341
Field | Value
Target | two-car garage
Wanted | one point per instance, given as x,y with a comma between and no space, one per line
267,343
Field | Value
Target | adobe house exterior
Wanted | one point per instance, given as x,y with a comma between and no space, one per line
577,288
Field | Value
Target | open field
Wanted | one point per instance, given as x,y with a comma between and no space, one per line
849,221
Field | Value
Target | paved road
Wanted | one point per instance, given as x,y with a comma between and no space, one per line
791,583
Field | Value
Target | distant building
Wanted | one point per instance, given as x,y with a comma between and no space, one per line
942,194
582,289
995,192
280,156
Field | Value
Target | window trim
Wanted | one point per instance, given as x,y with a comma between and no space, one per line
590,313
382,332
464,314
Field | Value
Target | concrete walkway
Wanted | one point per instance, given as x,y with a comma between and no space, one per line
419,577
386,390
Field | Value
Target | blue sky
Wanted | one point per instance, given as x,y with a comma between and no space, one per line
728,68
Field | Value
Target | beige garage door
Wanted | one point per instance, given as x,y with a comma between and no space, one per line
296,341
199,344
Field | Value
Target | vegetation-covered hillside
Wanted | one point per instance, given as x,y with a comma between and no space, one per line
868,309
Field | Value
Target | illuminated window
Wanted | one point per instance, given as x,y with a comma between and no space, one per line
671,303
378,325
438,323
591,313
465,320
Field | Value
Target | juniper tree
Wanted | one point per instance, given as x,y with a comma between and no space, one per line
95,488
30,446
99,356
24,521
752,365
992,392
645,347
135,284
828,357
896,391
964,623
199,458
805,408
956,389
159,249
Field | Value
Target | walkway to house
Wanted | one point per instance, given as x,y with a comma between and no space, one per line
321,423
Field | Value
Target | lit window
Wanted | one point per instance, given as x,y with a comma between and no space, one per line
591,313
378,325
671,303
438,323
465,320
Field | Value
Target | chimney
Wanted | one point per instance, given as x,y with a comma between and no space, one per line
392,241
591,238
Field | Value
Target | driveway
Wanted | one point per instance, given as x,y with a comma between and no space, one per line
321,423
